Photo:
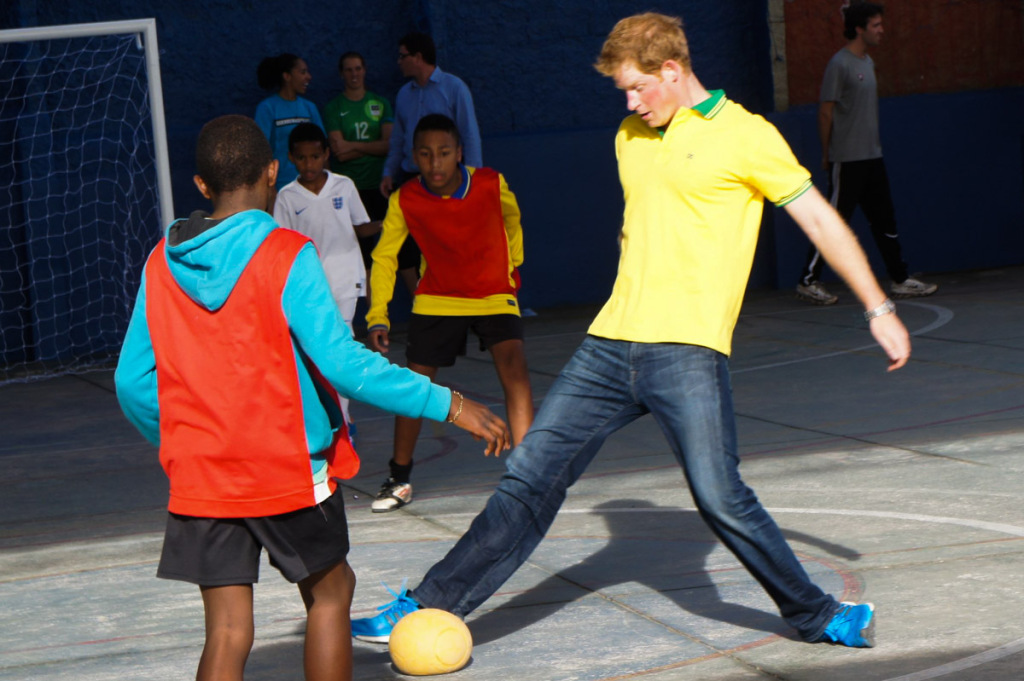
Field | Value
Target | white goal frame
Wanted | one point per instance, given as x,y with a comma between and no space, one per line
146,28
59,327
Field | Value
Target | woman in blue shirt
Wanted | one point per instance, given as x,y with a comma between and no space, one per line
278,114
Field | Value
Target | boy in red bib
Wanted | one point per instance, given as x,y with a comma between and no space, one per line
466,223
232,364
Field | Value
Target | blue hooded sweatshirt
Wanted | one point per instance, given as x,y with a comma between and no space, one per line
206,258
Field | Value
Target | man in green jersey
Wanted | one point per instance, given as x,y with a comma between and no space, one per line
358,126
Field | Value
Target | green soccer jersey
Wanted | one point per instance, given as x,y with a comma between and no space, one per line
359,122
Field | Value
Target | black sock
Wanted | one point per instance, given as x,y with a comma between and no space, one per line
400,473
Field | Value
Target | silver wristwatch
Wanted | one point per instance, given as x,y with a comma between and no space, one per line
887,307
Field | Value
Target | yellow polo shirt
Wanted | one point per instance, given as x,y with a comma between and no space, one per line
694,197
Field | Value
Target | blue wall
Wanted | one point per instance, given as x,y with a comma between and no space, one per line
548,118
956,168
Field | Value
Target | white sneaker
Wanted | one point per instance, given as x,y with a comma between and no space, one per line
392,495
816,293
913,288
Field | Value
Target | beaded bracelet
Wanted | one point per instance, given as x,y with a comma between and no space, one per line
458,412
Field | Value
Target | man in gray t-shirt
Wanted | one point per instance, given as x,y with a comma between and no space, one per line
852,155
850,90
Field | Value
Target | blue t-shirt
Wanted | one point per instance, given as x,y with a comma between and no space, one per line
277,117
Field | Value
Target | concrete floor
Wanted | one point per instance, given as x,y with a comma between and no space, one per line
905,489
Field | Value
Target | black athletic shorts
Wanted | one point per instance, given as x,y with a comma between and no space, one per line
226,551
436,341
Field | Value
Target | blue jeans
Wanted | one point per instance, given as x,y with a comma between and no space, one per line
606,385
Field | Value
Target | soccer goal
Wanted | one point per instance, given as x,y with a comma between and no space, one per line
84,190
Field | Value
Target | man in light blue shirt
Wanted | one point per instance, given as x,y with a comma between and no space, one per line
431,90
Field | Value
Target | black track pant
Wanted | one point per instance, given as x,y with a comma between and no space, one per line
864,184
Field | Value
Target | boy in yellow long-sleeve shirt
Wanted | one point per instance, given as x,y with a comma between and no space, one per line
466,222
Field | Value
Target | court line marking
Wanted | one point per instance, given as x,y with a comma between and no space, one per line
1002,651
985,657
1004,528
943,316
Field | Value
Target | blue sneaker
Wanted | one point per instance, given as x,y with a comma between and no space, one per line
377,629
853,625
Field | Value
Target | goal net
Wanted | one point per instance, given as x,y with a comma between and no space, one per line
84,191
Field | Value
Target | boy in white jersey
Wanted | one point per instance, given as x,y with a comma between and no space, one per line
326,208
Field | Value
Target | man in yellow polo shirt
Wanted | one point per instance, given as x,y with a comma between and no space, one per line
695,169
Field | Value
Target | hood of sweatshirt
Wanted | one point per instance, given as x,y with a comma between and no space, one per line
206,257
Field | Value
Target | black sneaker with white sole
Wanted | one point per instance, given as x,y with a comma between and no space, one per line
392,496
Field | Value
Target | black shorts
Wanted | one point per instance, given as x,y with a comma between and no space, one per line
226,551
436,341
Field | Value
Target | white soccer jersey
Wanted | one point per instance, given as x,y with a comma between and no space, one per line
328,218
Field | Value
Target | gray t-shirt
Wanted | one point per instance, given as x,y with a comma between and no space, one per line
850,82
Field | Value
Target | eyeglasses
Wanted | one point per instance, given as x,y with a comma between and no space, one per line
403,55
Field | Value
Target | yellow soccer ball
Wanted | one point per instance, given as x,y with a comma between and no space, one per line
430,641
